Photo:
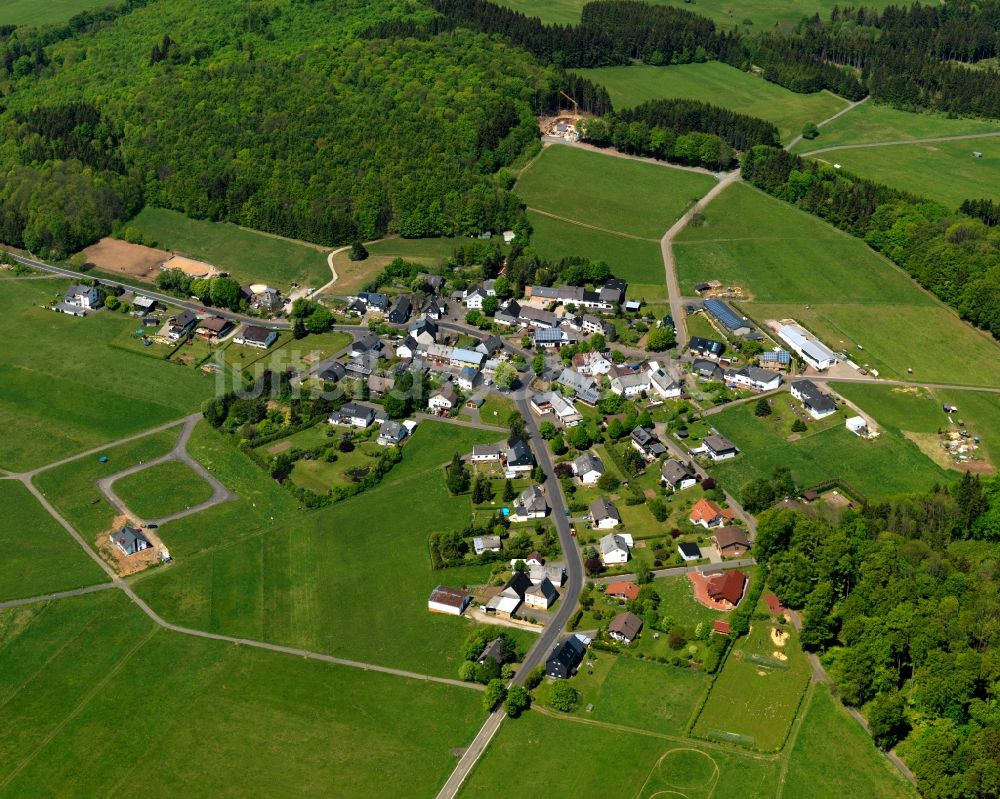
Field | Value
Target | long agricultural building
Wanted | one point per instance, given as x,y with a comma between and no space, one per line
809,348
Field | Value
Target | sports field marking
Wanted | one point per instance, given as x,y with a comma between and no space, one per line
708,785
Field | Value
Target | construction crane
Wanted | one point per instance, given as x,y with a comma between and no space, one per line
576,106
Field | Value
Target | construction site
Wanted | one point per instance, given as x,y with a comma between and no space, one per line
564,124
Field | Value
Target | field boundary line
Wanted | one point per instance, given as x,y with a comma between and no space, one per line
793,734
79,708
589,226
34,600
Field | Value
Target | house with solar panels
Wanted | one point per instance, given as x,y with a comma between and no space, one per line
737,325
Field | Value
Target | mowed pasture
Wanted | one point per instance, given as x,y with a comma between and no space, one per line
639,262
792,265
879,468
248,255
721,85
620,195
944,171
872,122
834,757
64,388
353,275
757,694
82,680
351,579
33,12
40,557
162,490
594,762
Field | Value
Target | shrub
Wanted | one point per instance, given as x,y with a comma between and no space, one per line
564,697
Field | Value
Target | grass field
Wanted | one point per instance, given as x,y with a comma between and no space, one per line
259,568
722,85
871,122
39,555
920,411
63,389
33,12
353,275
942,171
85,681
879,468
639,262
756,700
795,266
624,196
162,490
589,761
833,757
249,256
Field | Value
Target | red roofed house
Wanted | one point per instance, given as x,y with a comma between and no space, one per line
727,588
622,591
721,627
708,514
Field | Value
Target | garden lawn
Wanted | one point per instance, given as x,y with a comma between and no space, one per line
63,389
162,490
248,255
39,555
877,468
721,85
871,122
677,600
755,700
351,579
617,194
792,265
834,757
637,261
353,275
593,762
217,719
943,171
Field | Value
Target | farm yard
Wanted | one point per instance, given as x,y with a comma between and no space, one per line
792,265
66,675
945,171
756,696
39,556
247,255
727,87
162,490
93,392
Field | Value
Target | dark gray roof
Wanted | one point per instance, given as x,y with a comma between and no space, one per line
568,653
706,346
518,454
815,398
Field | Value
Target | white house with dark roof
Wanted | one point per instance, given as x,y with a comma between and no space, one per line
552,403
444,399
588,468
816,403
604,515
253,336
718,447
529,505
80,296
615,548
677,475
519,458
353,414
631,385
486,453
129,540
541,596
753,378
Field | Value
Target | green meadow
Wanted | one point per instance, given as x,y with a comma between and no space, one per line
40,557
64,388
43,12
248,255
353,275
162,490
351,579
721,85
96,697
616,194
792,265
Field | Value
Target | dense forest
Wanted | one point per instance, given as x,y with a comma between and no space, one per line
953,255
902,601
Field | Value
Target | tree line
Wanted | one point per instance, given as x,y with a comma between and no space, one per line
902,597
955,256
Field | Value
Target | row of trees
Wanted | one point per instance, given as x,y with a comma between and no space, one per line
953,255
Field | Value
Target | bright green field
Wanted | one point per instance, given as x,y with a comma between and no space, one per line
95,698
920,411
351,579
943,171
43,12
719,84
796,266
746,702
39,555
833,757
352,275
595,762
639,262
617,194
249,256
871,122
63,389
162,490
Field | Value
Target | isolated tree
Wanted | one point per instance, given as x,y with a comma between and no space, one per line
659,339
299,329
564,697
457,476
494,694
518,429
810,130
658,508
506,375
547,430
358,252
762,408
538,364
798,426
558,445
509,494
643,574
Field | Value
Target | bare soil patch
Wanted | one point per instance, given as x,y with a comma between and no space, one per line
281,446
779,637
121,257
779,655
127,564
